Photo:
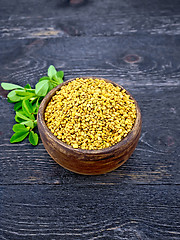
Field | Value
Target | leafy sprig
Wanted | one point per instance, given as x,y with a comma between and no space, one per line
27,102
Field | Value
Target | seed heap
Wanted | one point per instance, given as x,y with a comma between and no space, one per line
90,114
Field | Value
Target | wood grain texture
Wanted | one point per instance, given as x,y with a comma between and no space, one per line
93,18
89,212
134,43
27,60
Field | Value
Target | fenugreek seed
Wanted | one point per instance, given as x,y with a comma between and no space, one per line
90,114
75,145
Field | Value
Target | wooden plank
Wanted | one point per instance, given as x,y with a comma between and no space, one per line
134,43
92,18
154,161
131,60
93,212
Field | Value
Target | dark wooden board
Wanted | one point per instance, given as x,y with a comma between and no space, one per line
60,18
132,60
134,43
89,212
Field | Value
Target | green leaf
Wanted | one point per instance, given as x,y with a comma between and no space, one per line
50,86
18,137
42,88
19,115
36,107
51,71
22,93
28,109
59,80
20,111
29,123
54,82
34,100
13,97
18,120
35,123
27,86
10,86
17,106
38,104
30,96
32,91
44,78
9,100
60,74
20,128
33,138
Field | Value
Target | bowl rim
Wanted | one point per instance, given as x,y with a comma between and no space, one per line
123,143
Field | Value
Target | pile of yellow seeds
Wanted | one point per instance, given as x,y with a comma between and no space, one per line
90,114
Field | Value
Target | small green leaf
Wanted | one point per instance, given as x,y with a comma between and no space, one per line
20,128
29,123
17,106
36,107
50,86
19,115
51,71
38,102
34,100
42,88
35,123
32,91
18,120
18,137
33,138
13,97
60,74
27,86
27,109
27,106
30,96
22,93
9,100
44,78
20,111
60,81
54,82
10,86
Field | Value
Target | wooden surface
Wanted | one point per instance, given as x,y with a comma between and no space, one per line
134,43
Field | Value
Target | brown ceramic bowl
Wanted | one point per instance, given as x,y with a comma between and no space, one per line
87,162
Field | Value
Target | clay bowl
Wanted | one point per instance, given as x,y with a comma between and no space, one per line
87,162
